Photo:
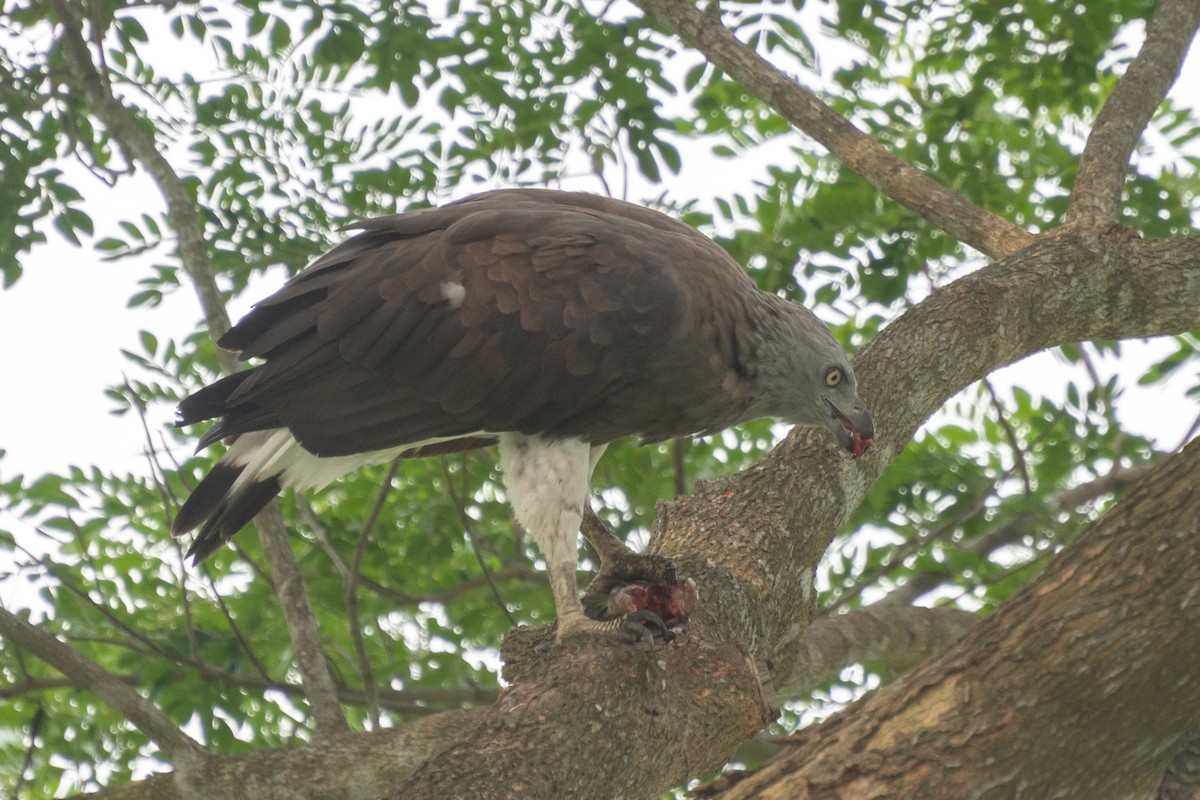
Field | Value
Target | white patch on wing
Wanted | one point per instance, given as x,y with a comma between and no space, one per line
454,293
276,452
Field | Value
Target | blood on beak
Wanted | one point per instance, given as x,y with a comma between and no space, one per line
855,442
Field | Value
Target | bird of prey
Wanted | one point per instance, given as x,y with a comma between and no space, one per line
550,323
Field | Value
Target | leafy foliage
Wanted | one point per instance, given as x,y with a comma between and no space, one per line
292,119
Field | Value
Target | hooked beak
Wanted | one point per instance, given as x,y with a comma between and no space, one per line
855,430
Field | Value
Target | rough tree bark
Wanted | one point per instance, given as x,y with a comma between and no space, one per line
596,720
1104,639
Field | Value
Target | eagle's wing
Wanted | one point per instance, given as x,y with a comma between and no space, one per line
530,311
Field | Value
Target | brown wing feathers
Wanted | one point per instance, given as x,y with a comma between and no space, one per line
570,322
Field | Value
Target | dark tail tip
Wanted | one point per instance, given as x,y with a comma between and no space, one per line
221,511
205,498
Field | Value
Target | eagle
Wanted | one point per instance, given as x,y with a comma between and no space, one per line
548,323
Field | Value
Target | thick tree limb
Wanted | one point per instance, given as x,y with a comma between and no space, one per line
90,676
897,638
908,186
415,701
355,766
561,727
1122,120
140,147
1108,628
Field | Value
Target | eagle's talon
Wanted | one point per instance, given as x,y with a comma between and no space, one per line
656,606
646,620
626,627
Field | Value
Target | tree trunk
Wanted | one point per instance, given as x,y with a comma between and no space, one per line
1105,639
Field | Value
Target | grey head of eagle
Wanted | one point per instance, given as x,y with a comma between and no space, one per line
549,323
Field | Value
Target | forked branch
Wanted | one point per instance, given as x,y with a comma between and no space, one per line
1122,120
992,235
90,676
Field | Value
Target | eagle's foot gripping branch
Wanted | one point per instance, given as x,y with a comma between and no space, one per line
634,627
652,607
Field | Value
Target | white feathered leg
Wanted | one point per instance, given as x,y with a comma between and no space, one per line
547,482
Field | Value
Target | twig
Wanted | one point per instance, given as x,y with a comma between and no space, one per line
909,547
1118,479
957,216
679,449
168,505
1019,454
469,528
233,626
351,595
35,729
156,471
102,608
1096,195
1110,399
1191,431
185,597
912,545
87,674
414,700
516,570
1007,572
321,534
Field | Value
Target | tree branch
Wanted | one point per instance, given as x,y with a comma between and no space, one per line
141,148
175,745
898,638
1012,529
1122,120
908,186
566,720
1068,287
302,626
355,766
416,701
1105,627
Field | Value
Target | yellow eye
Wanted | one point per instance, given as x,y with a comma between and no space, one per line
833,376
